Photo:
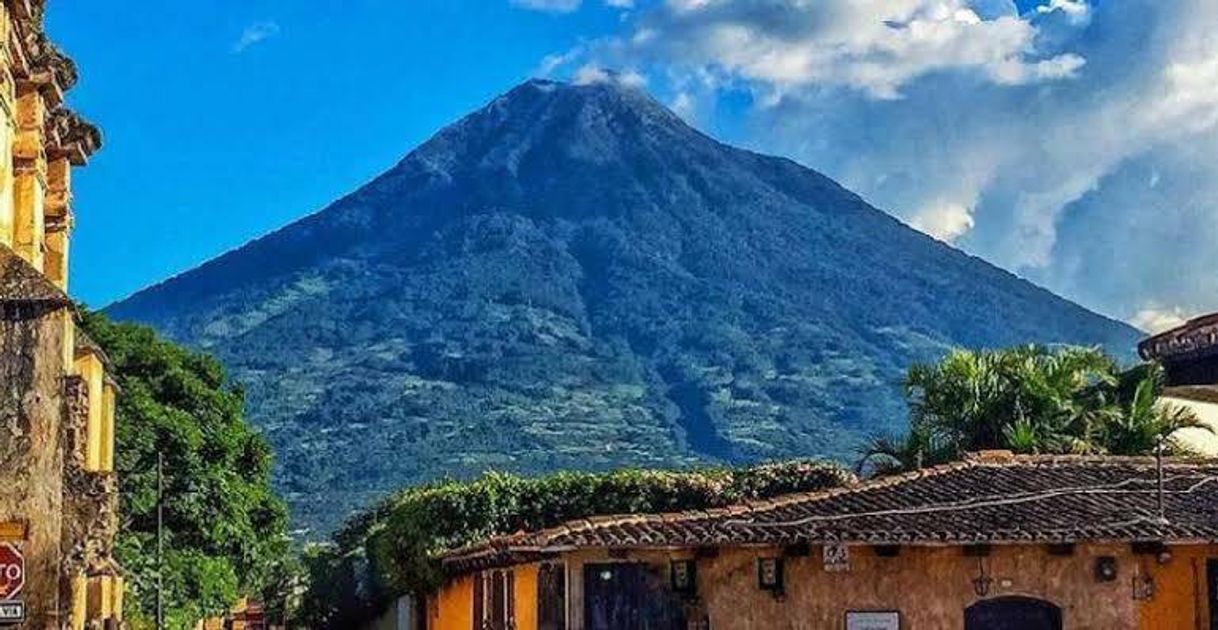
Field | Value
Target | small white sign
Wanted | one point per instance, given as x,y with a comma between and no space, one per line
12,612
837,557
889,620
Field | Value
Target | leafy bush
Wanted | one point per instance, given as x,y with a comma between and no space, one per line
393,547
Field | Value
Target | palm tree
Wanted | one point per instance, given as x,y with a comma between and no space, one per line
1028,399
1146,423
888,454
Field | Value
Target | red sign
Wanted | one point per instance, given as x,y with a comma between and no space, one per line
12,571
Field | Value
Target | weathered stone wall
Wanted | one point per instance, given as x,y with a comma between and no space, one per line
32,376
90,498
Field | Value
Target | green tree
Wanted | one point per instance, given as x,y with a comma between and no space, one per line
1145,422
225,528
1030,399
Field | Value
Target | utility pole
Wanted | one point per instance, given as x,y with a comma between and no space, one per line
160,540
1159,478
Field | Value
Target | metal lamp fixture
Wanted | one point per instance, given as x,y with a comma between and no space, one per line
769,575
684,576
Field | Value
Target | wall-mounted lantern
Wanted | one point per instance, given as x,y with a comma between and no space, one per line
1105,569
769,575
684,575
1143,587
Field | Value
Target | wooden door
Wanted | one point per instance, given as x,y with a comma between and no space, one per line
1211,571
551,597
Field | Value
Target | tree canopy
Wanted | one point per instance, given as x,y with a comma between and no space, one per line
1029,399
224,526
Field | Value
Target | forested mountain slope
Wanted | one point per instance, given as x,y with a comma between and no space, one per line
572,277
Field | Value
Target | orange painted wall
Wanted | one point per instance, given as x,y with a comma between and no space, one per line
526,597
1181,598
452,607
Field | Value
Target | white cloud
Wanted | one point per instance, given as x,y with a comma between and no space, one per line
1028,139
1156,320
552,63
254,34
552,6
620,4
875,46
683,105
944,220
1077,10
591,74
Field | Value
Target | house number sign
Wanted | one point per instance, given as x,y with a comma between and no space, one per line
837,557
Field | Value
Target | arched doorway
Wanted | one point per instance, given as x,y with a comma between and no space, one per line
1013,613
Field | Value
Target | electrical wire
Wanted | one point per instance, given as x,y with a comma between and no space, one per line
984,502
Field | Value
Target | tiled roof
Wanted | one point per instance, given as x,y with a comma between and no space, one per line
992,499
1195,339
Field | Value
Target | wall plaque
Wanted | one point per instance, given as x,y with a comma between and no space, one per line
886,620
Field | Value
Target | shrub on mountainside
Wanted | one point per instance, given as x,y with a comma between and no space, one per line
392,547
224,527
1029,399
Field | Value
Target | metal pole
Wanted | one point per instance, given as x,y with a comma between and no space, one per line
160,539
1159,476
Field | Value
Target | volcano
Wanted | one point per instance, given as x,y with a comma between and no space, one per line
572,277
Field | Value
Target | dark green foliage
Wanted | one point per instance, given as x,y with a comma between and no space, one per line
224,526
1029,399
392,547
572,278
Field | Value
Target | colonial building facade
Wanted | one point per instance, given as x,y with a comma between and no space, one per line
1189,354
995,542
58,490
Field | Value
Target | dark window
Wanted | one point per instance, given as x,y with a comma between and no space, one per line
1013,613
552,597
630,596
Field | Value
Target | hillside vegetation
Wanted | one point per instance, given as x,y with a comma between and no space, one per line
573,278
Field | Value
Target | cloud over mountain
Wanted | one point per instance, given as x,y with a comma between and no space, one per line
1070,141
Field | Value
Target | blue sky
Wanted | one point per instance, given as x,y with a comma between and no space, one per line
1070,141
210,142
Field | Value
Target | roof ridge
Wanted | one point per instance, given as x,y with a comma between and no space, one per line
542,538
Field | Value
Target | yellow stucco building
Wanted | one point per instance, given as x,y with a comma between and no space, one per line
996,542
58,496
